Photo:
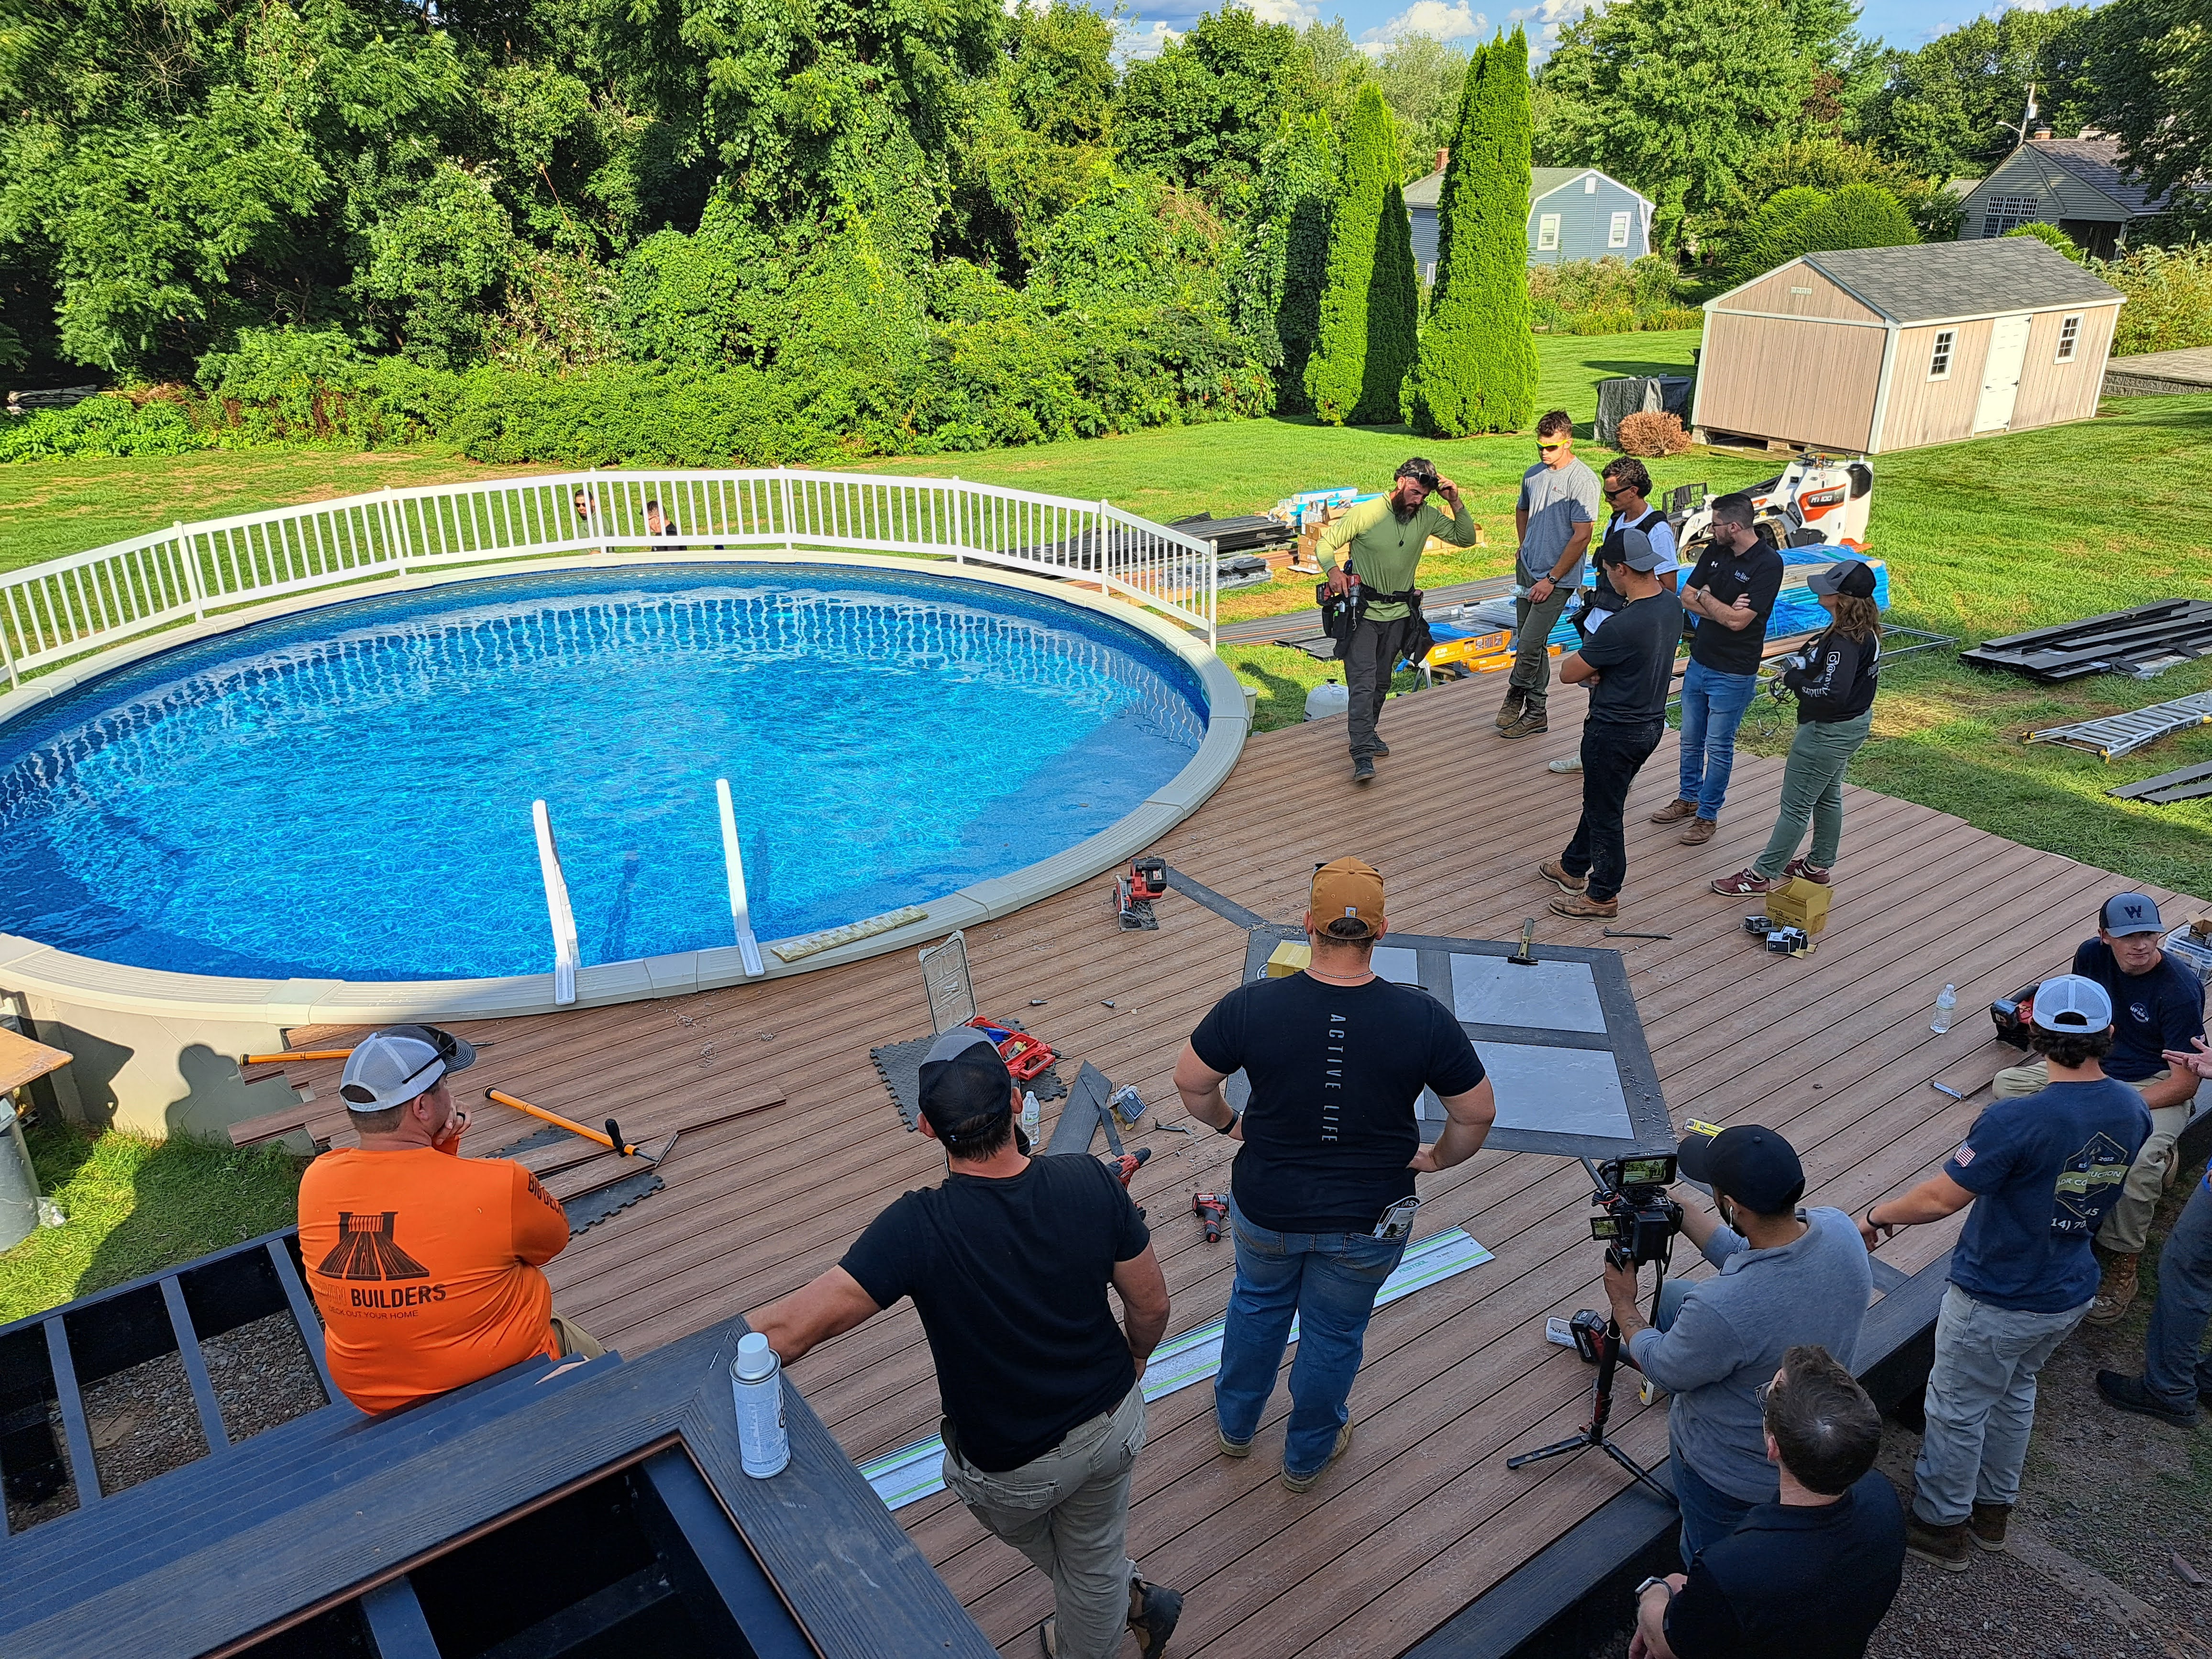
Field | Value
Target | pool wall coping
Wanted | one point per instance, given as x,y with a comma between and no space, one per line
156,1050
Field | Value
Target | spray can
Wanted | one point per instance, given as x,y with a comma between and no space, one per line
1945,1001
756,1382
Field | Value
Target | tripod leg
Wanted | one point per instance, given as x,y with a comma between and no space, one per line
1556,1449
1634,1468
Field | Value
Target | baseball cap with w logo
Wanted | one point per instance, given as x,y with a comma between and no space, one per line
2130,913
390,1067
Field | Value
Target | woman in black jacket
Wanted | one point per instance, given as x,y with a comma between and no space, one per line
1834,679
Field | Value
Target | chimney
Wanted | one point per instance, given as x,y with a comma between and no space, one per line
2040,133
1444,155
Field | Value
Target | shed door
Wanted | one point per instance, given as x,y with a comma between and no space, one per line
2001,373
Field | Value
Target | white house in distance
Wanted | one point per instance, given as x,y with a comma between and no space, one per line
2078,185
1574,213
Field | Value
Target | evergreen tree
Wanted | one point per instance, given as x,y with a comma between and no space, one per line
1336,374
1477,367
1282,260
1394,311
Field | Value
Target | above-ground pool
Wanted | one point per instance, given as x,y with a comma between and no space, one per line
345,793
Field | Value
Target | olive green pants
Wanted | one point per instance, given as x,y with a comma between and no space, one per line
1813,788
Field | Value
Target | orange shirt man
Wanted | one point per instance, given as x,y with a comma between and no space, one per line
425,1264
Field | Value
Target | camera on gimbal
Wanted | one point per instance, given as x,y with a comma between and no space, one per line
1639,1220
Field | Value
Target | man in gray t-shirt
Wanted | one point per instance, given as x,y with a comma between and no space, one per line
1558,505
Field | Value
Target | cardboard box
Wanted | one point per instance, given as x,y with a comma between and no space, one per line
1289,959
1800,904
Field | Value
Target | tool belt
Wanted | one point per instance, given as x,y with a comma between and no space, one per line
1342,613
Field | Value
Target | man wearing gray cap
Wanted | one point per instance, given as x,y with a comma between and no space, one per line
423,1263
2042,1172
2157,1005
1008,1263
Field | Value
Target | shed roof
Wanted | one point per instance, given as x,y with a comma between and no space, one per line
1961,279
1542,181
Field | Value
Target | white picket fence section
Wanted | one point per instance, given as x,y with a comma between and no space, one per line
67,607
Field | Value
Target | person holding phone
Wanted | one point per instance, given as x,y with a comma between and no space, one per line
1322,1189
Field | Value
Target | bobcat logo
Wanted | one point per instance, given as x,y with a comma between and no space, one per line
365,1250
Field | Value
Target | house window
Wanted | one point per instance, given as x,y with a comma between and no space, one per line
1939,361
1547,234
2003,213
2069,336
1590,184
1619,236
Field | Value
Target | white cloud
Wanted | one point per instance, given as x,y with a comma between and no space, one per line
1545,19
1297,13
1455,22
1134,40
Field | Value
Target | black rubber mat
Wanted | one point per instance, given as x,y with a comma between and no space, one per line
899,1065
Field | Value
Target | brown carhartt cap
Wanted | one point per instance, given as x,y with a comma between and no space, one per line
1347,887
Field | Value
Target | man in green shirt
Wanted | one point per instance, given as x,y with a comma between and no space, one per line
1386,537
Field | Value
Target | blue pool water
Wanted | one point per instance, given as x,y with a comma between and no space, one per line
346,793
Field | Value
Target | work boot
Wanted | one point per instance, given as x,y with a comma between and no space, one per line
1380,748
2118,1292
1942,1547
1675,812
2130,1394
1527,724
1231,1448
1305,1482
1698,831
1517,699
1555,873
1154,1611
1363,768
1986,1525
1583,908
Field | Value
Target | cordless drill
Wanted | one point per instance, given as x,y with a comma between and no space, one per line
1213,1211
1123,1165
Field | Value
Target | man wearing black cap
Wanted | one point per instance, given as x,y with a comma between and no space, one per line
2158,1004
1008,1263
1787,1276
1628,665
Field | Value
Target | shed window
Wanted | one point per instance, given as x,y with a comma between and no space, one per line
1590,184
2003,213
1939,361
2069,336
1619,236
1547,232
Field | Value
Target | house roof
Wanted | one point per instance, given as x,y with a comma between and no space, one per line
1976,278
1542,181
2096,162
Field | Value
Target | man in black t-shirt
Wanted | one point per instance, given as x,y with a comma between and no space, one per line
1810,1576
1731,593
1628,664
1008,1263
1323,1188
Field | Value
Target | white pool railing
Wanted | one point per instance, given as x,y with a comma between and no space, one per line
83,603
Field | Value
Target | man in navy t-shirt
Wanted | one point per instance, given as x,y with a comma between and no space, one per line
2157,1004
2041,1171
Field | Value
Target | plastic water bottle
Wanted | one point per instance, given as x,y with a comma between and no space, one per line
1030,1114
1945,1001
756,1381
1324,701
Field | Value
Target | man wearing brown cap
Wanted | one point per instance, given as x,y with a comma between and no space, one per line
1322,1187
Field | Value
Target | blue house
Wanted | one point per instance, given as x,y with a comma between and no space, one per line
1574,213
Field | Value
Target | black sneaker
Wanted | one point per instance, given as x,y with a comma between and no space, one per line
2130,1393
1153,1612
1363,768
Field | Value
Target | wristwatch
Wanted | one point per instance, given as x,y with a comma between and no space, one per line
1649,1582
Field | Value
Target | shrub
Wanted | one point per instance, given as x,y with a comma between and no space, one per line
1336,373
1772,236
1393,314
1652,432
105,425
2169,297
1857,216
2050,233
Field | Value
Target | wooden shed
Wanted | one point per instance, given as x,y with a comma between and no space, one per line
1890,348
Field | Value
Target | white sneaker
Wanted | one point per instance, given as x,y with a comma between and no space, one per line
1565,763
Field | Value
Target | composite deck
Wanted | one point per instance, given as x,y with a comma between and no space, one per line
1423,1514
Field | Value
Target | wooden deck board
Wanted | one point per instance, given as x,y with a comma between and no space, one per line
1834,1051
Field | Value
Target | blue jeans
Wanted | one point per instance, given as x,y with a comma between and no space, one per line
1981,1404
1707,1513
2174,1371
1712,708
1329,1280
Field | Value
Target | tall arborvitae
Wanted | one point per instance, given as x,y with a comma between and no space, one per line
1336,374
1476,368
1282,261
1394,315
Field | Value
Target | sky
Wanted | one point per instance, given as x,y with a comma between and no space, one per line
1373,23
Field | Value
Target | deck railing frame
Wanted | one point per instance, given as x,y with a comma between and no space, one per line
70,607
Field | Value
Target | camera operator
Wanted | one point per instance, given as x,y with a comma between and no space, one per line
1810,1576
1787,1277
